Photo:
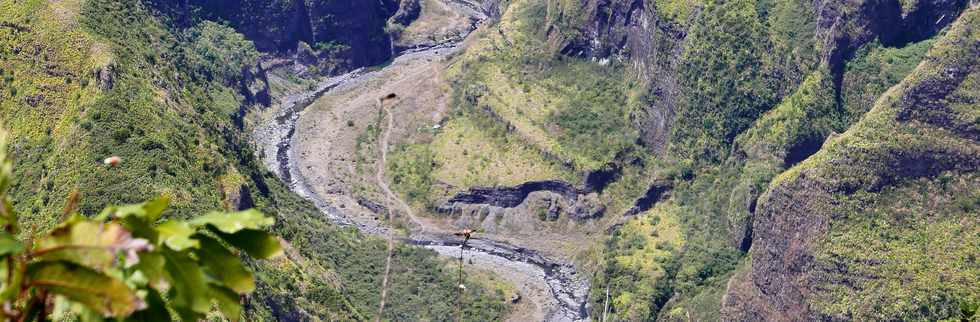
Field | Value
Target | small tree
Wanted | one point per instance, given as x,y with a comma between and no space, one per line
128,263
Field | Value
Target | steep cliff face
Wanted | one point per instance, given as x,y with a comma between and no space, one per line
358,25
351,30
653,36
633,31
880,224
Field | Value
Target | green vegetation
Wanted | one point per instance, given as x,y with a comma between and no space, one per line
747,114
875,69
918,243
475,150
330,47
902,238
755,99
809,114
730,92
80,81
594,121
724,72
676,11
410,169
128,262
709,254
522,113
101,78
640,261
573,111
367,143
219,52
792,25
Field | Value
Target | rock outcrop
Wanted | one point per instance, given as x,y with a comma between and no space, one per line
631,31
408,11
549,199
658,191
509,197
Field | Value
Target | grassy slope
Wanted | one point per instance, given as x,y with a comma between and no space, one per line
523,114
641,258
169,116
569,109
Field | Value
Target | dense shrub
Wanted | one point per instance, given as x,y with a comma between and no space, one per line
725,80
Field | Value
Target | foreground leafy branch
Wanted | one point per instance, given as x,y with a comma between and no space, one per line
128,263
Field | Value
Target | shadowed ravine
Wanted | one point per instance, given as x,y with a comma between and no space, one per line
566,290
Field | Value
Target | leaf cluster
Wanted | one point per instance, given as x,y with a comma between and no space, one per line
128,263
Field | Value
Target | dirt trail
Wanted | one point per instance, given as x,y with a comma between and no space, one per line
387,276
389,196
380,174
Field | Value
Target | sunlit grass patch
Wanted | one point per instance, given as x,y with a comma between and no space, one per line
470,155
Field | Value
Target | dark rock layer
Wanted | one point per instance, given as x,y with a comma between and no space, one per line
554,197
510,197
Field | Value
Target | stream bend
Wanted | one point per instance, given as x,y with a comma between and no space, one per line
568,289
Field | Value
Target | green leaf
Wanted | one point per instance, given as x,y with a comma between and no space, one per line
9,244
156,310
188,315
176,235
152,266
188,282
86,314
141,229
98,291
256,243
63,308
223,266
228,302
93,244
13,278
7,214
149,211
234,222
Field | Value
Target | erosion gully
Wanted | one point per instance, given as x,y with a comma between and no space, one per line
568,289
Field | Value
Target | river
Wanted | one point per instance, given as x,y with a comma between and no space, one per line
560,293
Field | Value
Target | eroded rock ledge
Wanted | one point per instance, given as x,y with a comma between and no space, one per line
552,199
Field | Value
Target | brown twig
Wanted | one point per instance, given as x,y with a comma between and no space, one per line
71,205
